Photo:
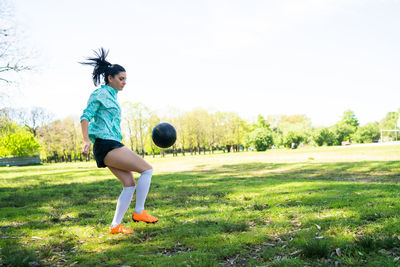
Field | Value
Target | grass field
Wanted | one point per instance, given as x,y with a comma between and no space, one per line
336,206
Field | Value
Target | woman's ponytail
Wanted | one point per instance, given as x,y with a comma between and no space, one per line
102,68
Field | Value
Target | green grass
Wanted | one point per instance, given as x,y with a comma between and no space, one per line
307,207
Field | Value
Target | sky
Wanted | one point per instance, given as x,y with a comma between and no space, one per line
312,57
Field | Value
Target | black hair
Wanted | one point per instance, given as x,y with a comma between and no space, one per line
102,68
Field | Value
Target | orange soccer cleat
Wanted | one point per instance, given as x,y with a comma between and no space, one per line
120,229
144,217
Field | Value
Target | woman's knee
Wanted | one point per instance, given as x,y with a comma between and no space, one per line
149,168
129,183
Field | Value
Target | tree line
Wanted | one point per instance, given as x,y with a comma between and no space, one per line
33,131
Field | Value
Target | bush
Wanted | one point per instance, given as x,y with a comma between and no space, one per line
295,137
367,133
324,136
260,138
18,142
343,132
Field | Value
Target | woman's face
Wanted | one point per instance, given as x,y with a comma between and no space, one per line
118,81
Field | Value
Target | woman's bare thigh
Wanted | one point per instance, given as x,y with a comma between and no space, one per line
125,159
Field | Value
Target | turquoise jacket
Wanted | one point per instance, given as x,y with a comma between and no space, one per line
104,114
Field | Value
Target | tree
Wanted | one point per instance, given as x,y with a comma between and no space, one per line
17,141
323,136
261,122
235,129
13,54
367,133
290,138
199,119
238,130
178,121
32,118
150,147
136,118
212,132
349,118
60,140
273,121
6,124
173,116
294,123
389,122
11,57
189,131
260,138
219,129
343,132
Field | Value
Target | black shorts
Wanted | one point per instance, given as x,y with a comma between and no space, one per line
100,149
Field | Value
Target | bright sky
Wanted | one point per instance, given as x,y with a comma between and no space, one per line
311,57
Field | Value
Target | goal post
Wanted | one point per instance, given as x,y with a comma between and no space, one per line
395,130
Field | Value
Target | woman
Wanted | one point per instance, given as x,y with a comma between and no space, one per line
100,124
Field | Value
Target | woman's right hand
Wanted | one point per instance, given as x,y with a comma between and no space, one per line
85,148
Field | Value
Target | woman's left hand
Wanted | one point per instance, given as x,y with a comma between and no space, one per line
85,148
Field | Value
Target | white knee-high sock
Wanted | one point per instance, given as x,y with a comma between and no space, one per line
123,203
143,186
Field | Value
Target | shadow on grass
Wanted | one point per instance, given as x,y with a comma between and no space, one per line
223,204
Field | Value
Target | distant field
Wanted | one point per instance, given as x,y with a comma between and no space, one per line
329,206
